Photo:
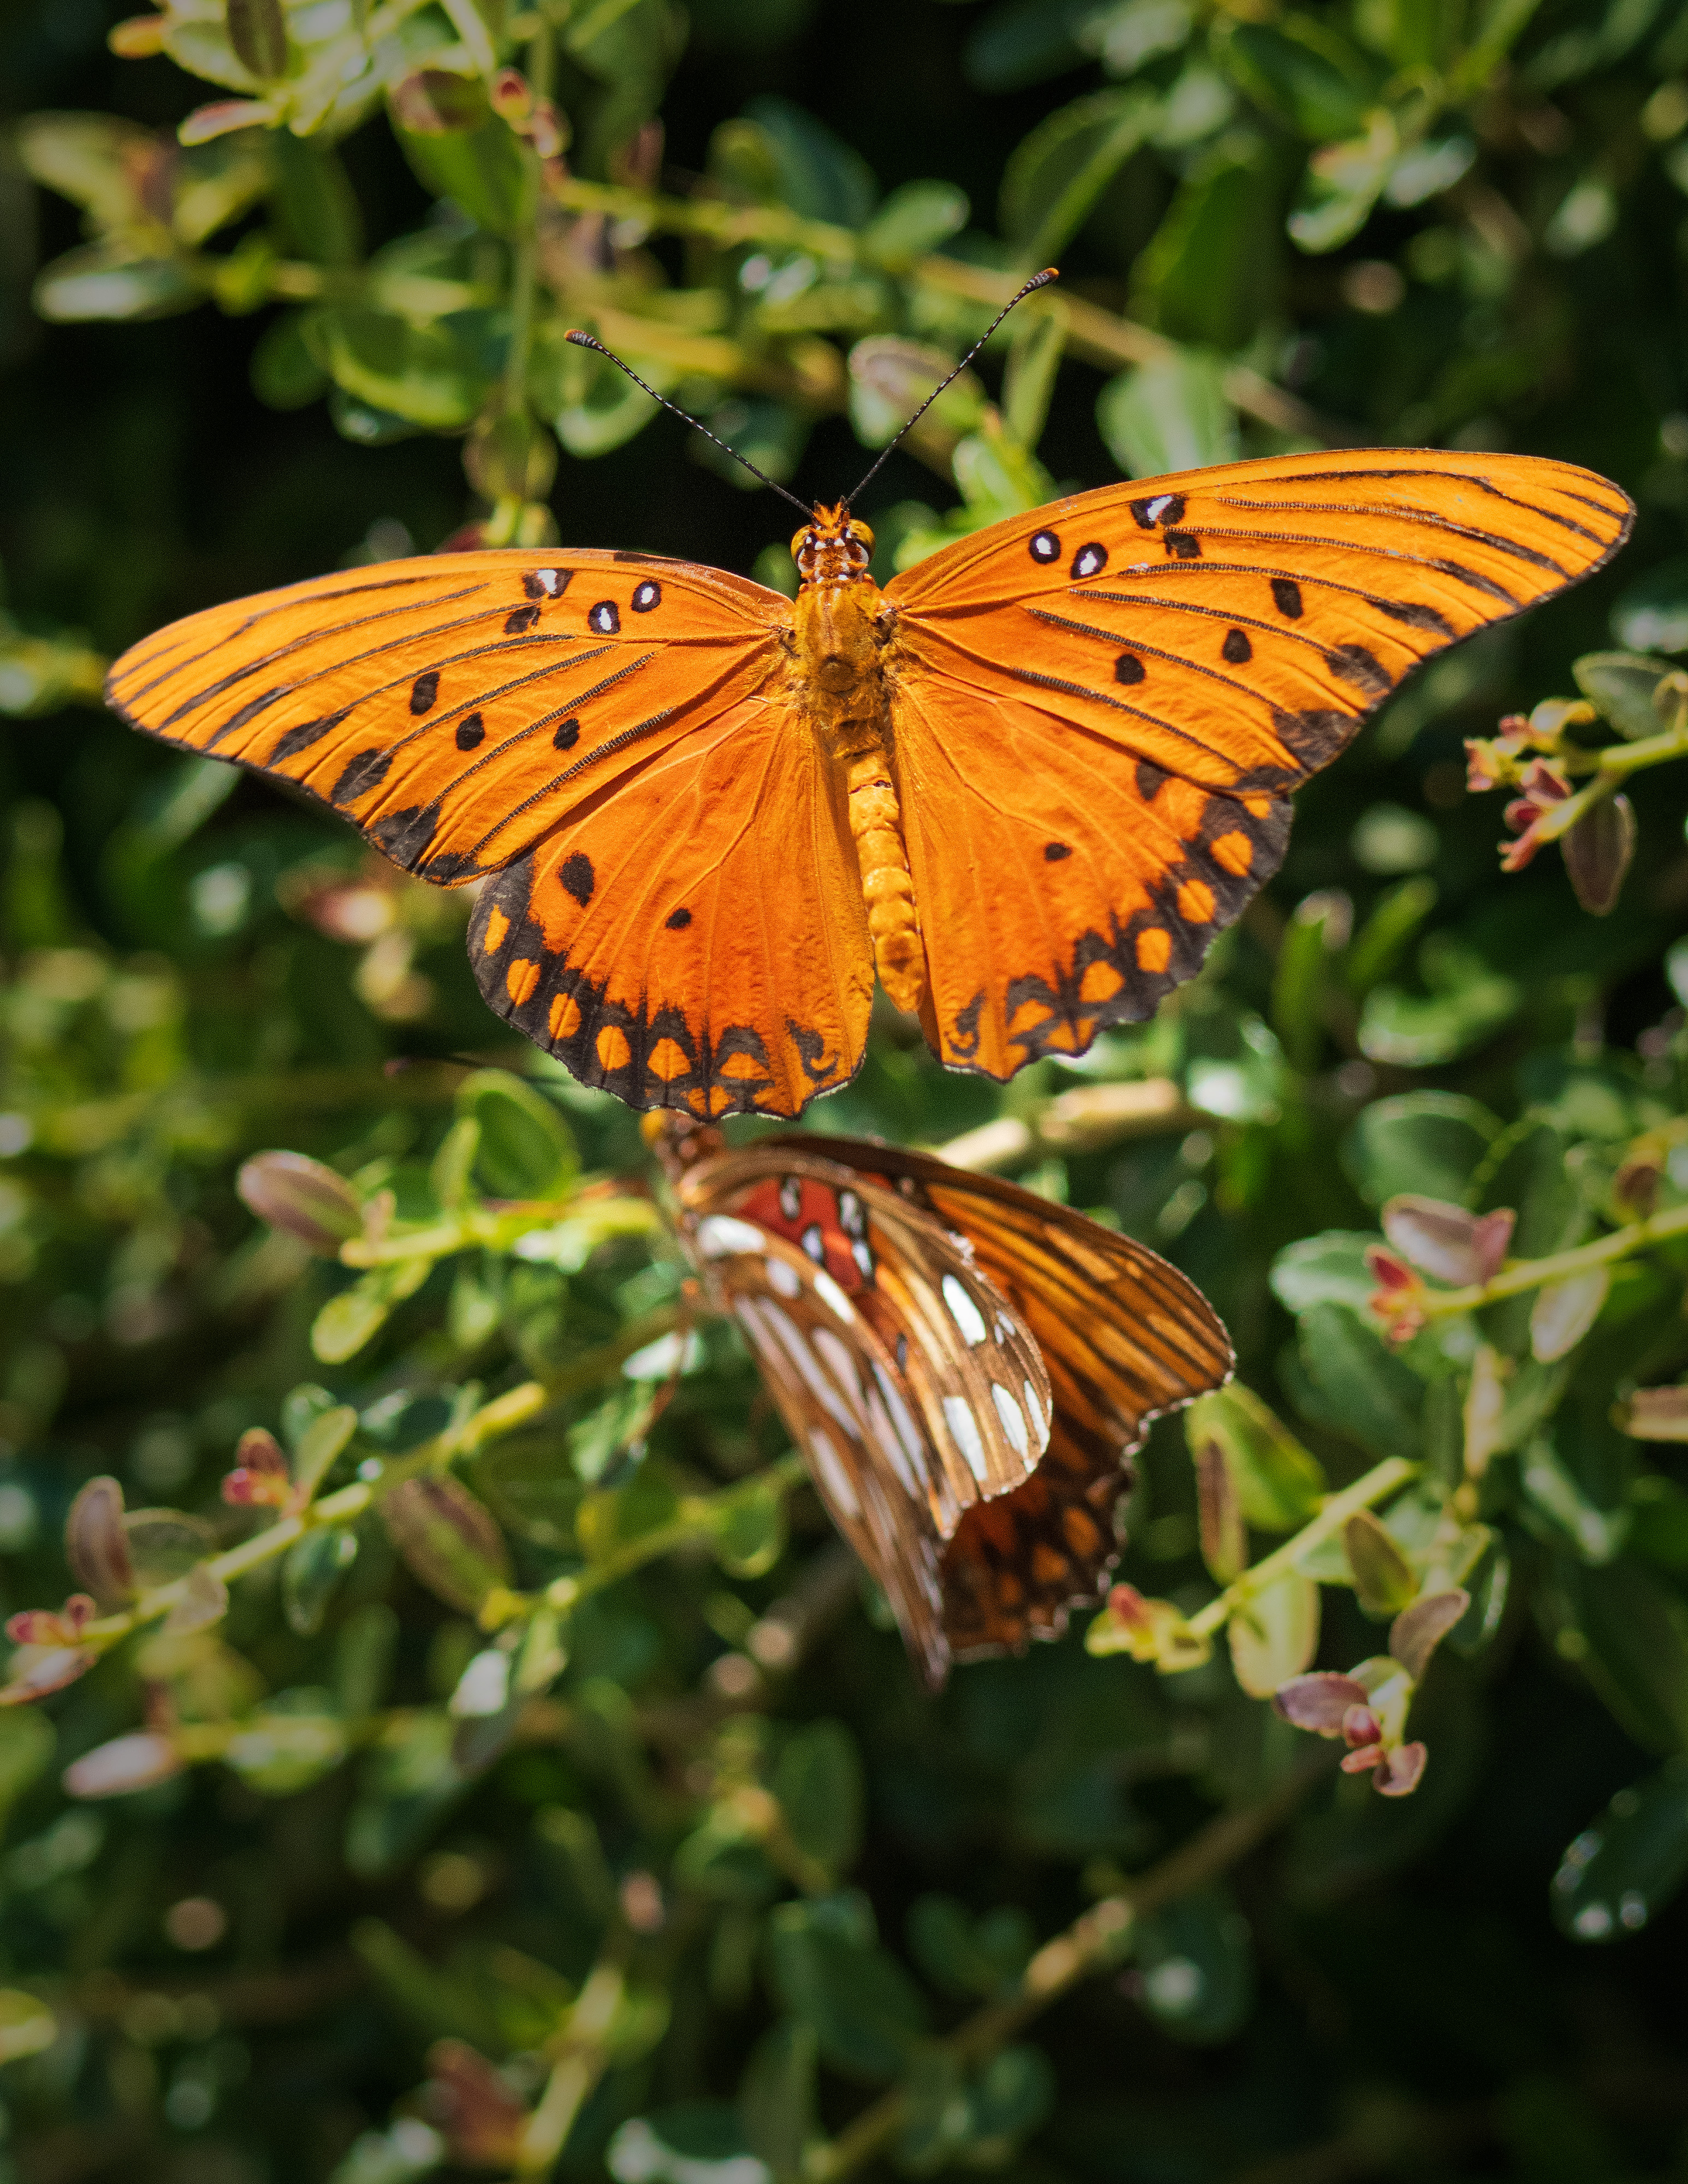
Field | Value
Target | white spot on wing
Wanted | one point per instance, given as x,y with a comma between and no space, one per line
1158,507
830,1294
833,1474
964,1312
958,1416
1013,1424
719,1236
783,1279
788,1337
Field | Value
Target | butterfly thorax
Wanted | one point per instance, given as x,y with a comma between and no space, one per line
840,625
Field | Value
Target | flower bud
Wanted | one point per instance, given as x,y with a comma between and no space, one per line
1597,851
302,1198
126,1764
259,1477
96,1545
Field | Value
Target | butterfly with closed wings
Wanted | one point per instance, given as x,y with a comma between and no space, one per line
967,1370
1027,782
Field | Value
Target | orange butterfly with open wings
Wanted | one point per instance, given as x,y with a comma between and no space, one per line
1026,781
965,1368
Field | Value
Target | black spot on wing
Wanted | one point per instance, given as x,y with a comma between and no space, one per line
520,620
302,736
1055,851
424,691
1286,597
1237,648
1149,778
1128,668
1182,545
677,920
471,730
367,771
1355,664
568,736
577,877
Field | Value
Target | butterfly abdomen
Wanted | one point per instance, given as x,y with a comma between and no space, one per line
838,656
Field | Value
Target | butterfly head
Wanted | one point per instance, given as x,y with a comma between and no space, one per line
679,1142
834,547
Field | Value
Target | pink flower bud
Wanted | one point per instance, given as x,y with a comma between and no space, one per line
1320,1703
302,1198
1361,1727
511,97
126,1764
1399,1771
260,1475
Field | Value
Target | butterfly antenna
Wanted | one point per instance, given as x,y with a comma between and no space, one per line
1038,281
583,340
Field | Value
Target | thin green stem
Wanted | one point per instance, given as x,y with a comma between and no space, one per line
1611,768
1376,1485
1526,1274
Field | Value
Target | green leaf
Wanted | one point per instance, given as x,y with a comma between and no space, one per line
481,168
915,219
1597,1533
1467,1005
1367,1389
317,205
437,375
100,282
818,1783
964,1955
1628,1634
1129,32
776,2098
1629,1863
27,2025
526,1149
1326,1269
408,1784
1274,1634
1167,416
1054,176
816,174
285,372
279,1754
692,2142
1301,73
451,1542
27,1745
1277,1483
1385,1581
99,161
1340,186
258,32
613,1519
311,1574
1427,1143
830,1971
1197,1966
1659,1523
1621,685
749,1531
1211,274
1024,42
1652,614
1381,942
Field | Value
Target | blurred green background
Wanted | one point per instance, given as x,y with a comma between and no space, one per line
790,1874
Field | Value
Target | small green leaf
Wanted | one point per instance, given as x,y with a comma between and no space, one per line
1623,687
258,32
1370,1392
750,1532
1169,416
1597,1533
480,168
27,2025
311,1574
1303,74
1422,1143
1055,175
830,1971
1629,1633
1326,1269
776,2098
692,2142
1629,1863
814,173
1279,1484
526,1149
436,376
1196,1964
100,281
1342,183
818,1783
915,219
450,1540
1396,919
1385,1581
279,1754
964,1955
1274,1635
